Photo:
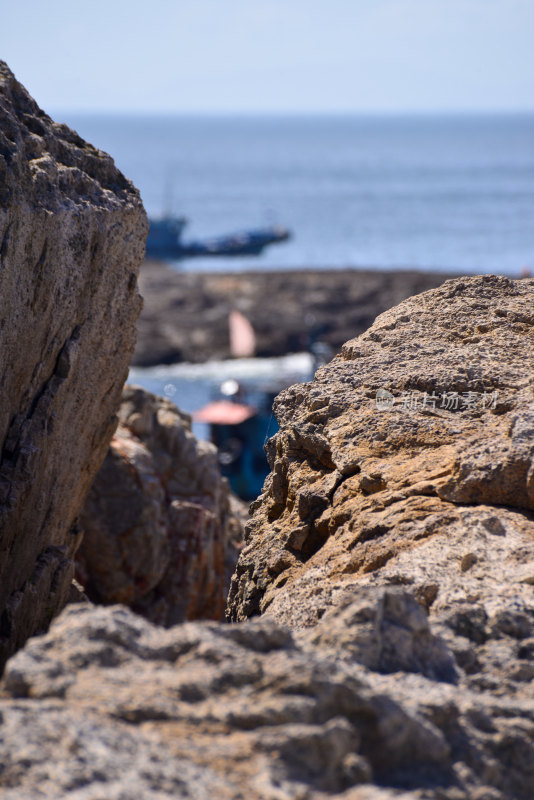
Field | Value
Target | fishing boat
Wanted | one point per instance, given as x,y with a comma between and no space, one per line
240,422
165,241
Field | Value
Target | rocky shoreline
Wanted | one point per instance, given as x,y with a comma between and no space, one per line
380,643
185,314
384,604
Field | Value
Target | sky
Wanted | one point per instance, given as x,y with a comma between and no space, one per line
262,56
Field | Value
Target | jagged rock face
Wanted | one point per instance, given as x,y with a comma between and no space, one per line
72,232
157,522
433,491
108,706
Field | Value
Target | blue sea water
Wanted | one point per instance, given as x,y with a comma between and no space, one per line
448,192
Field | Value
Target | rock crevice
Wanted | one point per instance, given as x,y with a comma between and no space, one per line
159,522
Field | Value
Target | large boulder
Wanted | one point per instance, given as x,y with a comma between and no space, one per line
72,232
408,461
158,526
108,706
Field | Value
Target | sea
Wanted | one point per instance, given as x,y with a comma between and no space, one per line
450,193
428,192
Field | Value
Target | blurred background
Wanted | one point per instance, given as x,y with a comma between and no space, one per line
386,136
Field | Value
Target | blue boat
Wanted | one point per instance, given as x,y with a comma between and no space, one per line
241,420
165,241
240,423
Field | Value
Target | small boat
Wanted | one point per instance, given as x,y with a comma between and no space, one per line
164,235
240,423
241,418
165,241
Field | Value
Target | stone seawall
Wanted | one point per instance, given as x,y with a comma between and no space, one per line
185,314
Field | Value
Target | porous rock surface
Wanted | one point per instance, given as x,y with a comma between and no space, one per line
158,527
106,705
409,462
72,233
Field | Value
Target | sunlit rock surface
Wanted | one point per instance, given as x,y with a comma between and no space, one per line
72,231
408,461
107,705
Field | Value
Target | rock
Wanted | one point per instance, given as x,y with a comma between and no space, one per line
72,233
106,705
408,462
158,528
185,314
387,631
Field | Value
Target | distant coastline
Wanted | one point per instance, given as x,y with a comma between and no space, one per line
185,314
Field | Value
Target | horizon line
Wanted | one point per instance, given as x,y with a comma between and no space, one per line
293,113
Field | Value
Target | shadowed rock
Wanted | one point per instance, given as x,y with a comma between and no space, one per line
72,232
158,527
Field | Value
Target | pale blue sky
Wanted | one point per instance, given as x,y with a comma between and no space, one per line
273,55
